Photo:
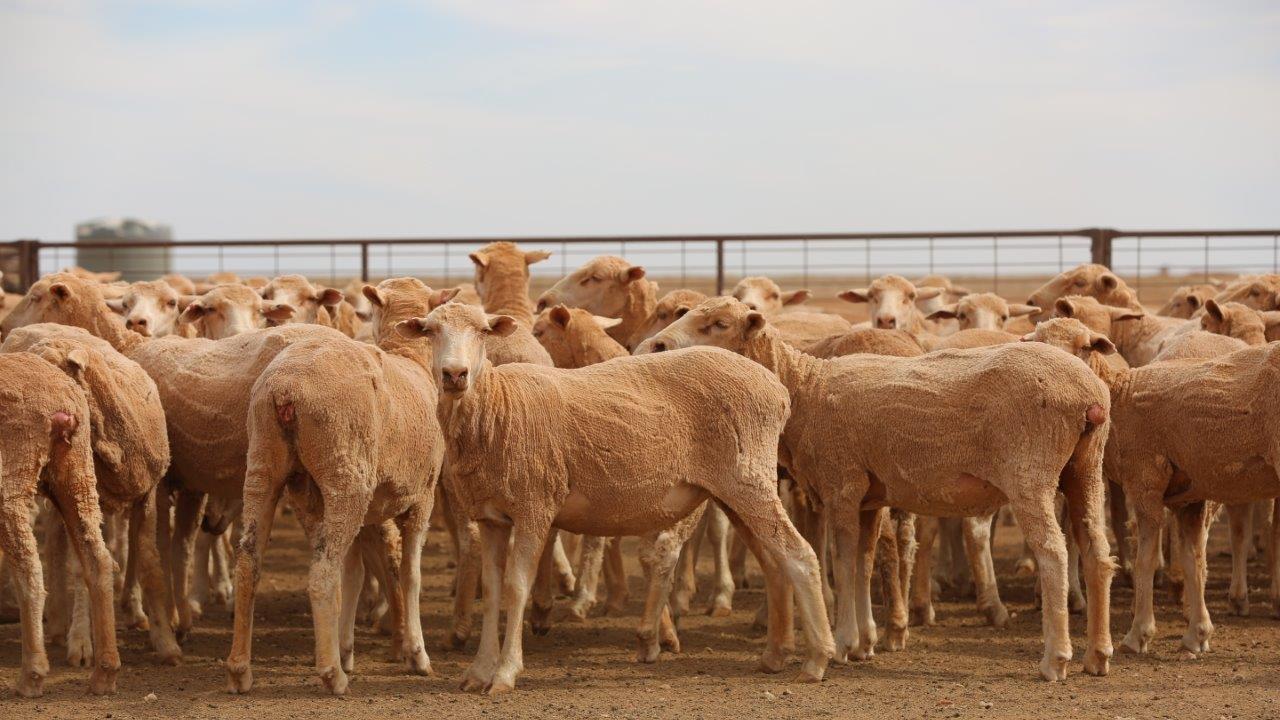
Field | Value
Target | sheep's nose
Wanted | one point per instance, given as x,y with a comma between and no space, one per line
140,322
454,379
658,346
886,323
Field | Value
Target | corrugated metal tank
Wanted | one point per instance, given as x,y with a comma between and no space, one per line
133,263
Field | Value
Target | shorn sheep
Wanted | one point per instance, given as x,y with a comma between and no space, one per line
627,447
796,326
967,431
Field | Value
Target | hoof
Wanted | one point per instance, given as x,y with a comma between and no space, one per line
540,630
812,671
1137,642
719,611
895,639
614,609
1054,669
1026,567
103,681
171,657
239,678
1075,604
1097,662
334,680
540,619
458,642
139,623
773,661
347,658
499,688
921,616
863,654
30,684
576,614
998,616
472,683
418,661
1238,606
1195,643
647,651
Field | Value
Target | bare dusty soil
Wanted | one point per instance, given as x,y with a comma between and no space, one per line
959,668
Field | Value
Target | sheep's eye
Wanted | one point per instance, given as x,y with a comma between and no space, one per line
1080,282
1004,318
722,325
911,296
774,296
961,316
663,315
173,303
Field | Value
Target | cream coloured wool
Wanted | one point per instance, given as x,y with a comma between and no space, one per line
668,308
1187,300
799,328
381,464
232,309
181,284
983,311
220,278
1138,337
1090,280
627,447
866,340
1047,410
45,448
310,303
608,286
891,303
150,309
1256,291
950,293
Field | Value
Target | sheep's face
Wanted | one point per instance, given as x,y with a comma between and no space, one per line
890,301
1090,280
671,306
150,309
1093,314
1258,292
600,287
567,332
457,333
61,298
763,294
1234,320
397,299
298,292
503,260
984,311
229,310
1071,336
719,322
1187,300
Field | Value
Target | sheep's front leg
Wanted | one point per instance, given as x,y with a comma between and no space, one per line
492,545
544,585
1240,520
977,546
352,583
1149,520
527,546
190,508
1039,523
18,543
868,533
717,523
413,530
921,609
615,578
1192,525
146,557
589,567
1120,526
659,554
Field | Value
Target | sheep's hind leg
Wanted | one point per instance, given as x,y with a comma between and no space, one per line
589,567
189,510
413,531
544,582
144,554
921,609
83,519
352,583
18,543
1039,523
977,546
261,496
1240,519
1192,522
1150,517
659,554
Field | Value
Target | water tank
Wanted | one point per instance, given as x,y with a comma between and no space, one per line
140,263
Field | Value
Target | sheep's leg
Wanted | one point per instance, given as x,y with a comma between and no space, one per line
846,528
1192,522
186,524
58,607
130,596
897,631
18,543
686,578
83,519
812,523
954,565
1240,520
413,532
1120,526
332,540
221,569
1149,514
1085,499
764,517
261,496
467,575
977,546
921,610
591,560
492,546
738,563
522,563
381,552
865,562
544,581
353,571
1262,525
1039,525
164,543
659,554
1075,594
563,568
143,553
200,573
615,577
79,632
1273,558
780,638
717,523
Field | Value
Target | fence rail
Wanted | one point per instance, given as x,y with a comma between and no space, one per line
697,259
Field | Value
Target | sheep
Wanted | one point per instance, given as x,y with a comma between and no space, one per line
151,309
1187,300
620,448
93,276
1091,280
1235,320
1256,291
231,309
950,293
665,311
838,446
216,279
130,450
7,300
986,311
310,303
891,303
502,282
974,338
866,340
382,466
181,284
1184,433
45,448
608,286
1138,337
763,294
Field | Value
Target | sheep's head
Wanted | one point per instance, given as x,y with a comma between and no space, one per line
65,299
150,308
503,262
1072,336
669,307
396,299
1093,314
1187,300
457,333
890,301
986,311
570,334
763,294
950,292
1091,280
1235,320
719,322
229,310
1256,291
600,287
298,292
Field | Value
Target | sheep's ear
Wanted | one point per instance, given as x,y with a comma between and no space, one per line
374,295
413,328
443,296
1107,281
755,323
928,293
1214,310
278,312
1018,309
536,256
958,292
501,325
1118,313
193,312
1101,344
1029,337
605,323
330,297
946,312
185,300
859,295
77,360
560,316
60,291
1194,302
796,297
631,274
480,259
265,291
1064,308
116,305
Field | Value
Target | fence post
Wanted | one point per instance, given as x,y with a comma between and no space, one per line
364,262
719,267
1100,244
28,263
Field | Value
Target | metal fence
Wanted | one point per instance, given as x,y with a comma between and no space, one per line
1148,259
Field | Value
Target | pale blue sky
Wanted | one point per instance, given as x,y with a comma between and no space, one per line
276,119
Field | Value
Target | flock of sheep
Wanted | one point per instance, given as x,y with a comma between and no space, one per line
158,420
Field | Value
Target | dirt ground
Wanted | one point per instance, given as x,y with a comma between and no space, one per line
959,668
